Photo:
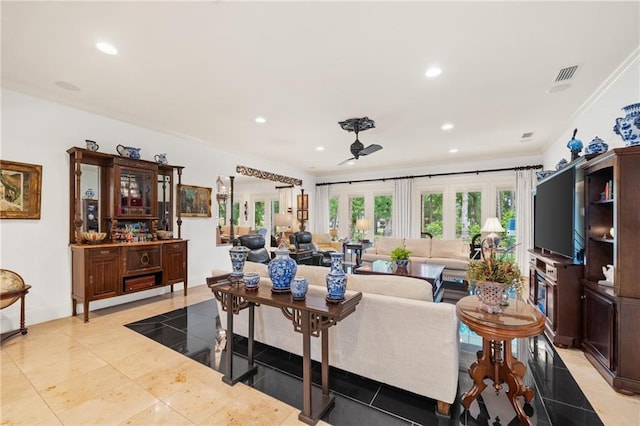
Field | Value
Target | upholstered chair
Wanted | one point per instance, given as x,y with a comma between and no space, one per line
255,242
303,241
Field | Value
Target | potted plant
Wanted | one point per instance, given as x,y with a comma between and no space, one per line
493,276
400,255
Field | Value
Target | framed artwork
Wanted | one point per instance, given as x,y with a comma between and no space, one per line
20,187
194,201
303,215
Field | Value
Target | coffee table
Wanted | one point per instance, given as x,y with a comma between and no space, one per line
424,271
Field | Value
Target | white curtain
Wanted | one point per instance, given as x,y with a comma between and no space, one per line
321,210
401,217
525,182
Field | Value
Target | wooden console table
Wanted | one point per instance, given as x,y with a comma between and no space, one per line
311,317
495,360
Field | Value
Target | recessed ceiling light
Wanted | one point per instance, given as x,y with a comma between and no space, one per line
319,148
433,72
107,48
447,126
261,120
453,150
351,163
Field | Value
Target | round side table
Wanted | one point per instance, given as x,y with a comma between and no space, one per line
495,360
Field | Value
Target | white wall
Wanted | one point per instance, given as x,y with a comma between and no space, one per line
598,115
36,131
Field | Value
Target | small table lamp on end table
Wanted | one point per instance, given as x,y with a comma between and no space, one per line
363,225
492,225
283,221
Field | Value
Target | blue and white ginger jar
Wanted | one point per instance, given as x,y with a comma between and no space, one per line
281,270
336,279
628,127
596,147
299,288
238,256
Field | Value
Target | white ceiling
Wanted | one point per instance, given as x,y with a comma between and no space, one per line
205,70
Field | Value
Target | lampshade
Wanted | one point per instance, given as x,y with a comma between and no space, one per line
492,225
363,224
283,219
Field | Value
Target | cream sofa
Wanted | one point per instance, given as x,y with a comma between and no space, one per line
452,254
397,335
323,242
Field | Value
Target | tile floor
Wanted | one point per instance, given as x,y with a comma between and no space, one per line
68,372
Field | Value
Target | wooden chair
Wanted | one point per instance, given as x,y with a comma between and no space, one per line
12,288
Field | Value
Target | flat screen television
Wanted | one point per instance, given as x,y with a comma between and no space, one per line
559,213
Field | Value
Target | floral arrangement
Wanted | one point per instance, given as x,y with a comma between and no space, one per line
496,269
400,253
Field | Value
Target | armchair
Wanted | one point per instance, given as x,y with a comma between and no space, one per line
255,242
303,240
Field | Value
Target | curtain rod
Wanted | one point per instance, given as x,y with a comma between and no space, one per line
537,166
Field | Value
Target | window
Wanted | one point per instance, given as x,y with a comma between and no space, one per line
356,211
275,208
236,213
382,205
432,214
505,211
468,214
258,208
333,213
222,213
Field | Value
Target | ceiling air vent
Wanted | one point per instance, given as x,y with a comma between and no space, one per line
527,135
566,73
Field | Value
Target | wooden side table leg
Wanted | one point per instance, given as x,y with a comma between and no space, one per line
514,373
305,415
478,371
23,329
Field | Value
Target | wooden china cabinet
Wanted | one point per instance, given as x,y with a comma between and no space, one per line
130,200
611,314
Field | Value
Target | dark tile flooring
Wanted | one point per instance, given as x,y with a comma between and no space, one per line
195,332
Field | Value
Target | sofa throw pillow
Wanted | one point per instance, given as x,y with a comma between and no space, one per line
386,244
260,268
455,249
420,247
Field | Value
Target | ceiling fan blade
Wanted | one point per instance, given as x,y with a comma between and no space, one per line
346,161
370,149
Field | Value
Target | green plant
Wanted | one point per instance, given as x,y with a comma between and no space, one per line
500,269
400,253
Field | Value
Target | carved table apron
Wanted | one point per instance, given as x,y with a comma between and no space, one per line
311,317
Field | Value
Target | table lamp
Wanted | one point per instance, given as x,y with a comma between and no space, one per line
283,221
363,225
492,225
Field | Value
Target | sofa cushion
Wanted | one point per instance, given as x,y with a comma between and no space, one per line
386,285
448,263
372,257
452,249
385,245
390,285
260,268
420,247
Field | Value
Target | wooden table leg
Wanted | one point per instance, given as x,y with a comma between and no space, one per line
305,415
514,374
228,377
478,371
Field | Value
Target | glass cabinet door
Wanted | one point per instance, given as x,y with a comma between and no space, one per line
137,193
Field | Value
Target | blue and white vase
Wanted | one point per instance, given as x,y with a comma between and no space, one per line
596,147
238,256
281,270
336,279
299,288
628,127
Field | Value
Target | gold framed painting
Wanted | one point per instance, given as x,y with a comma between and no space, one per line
20,190
194,201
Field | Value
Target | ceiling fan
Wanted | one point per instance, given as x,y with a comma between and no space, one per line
357,148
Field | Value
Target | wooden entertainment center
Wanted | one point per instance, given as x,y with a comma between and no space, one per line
582,309
130,200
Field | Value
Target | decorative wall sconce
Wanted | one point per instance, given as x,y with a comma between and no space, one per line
246,211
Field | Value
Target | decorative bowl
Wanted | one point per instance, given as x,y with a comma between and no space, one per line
94,237
251,280
164,235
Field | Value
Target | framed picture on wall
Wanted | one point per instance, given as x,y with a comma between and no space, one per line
194,201
20,186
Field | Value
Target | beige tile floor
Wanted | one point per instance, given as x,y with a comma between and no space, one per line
101,373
